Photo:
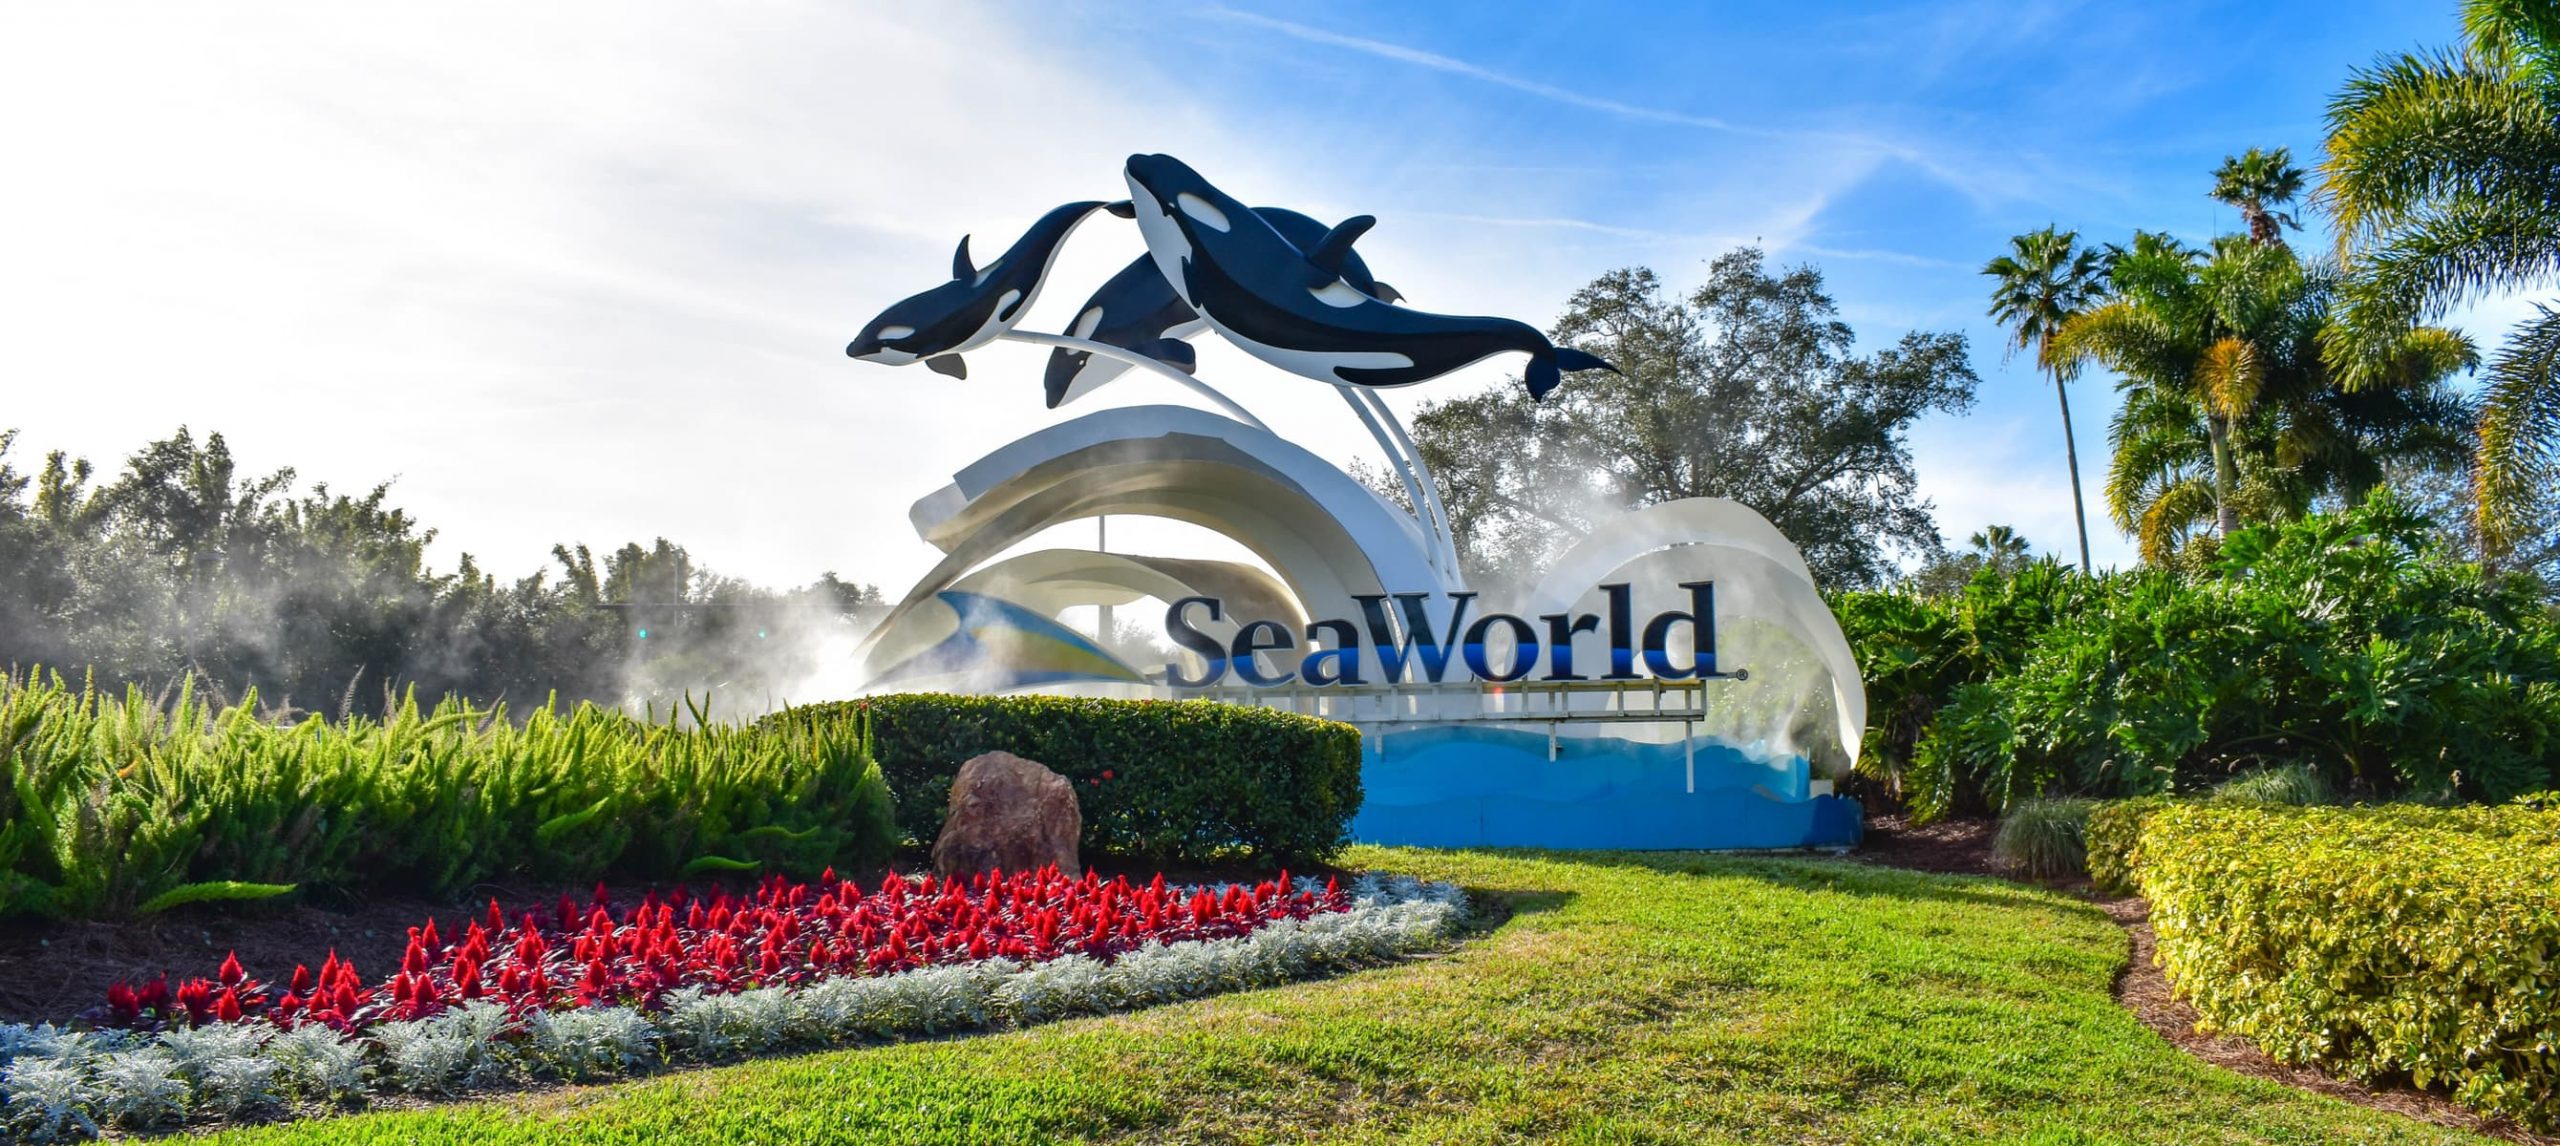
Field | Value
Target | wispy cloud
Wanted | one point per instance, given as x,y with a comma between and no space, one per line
1982,181
1440,63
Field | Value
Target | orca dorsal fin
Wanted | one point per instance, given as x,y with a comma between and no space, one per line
961,267
950,364
1123,208
1384,293
1330,251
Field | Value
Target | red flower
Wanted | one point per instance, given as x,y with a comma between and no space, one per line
231,973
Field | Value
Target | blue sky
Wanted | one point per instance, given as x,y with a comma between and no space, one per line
585,274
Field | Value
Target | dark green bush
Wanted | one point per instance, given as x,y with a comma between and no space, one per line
109,803
2346,642
2296,785
1189,781
2386,942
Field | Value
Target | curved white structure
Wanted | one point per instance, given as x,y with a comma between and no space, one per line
1786,638
1326,536
1050,581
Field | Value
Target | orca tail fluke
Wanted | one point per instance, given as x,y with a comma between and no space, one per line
1543,376
1572,359
1547,369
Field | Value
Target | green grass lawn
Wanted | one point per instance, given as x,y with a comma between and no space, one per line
1630,999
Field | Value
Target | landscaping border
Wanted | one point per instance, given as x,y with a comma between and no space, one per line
60,1084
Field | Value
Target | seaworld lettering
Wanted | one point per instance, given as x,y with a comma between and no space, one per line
1333,647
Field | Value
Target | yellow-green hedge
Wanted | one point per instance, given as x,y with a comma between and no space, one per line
2380,942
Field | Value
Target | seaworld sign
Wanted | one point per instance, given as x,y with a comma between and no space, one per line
1420,650
1602,704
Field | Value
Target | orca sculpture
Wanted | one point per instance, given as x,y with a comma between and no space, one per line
1291,308
978,304
1138,310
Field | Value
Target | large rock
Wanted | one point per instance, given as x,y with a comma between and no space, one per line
1009,814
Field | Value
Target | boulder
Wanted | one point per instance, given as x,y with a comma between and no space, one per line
1008,814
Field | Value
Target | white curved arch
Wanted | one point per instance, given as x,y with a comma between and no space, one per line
1050,581
1760,576
1326,536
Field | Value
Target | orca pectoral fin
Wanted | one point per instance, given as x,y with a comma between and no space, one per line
1335,247
961,267
947,364
1173,352
1123,208
1384,293
1572,359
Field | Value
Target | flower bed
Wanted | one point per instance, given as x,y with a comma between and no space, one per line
595,992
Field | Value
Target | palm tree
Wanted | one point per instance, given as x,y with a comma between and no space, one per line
2231,411
2045,280
1999,547
2443,170
2259,182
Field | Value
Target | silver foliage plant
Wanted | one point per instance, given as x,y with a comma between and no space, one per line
58,1084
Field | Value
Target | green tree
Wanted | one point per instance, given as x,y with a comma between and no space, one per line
2231,412
1999,547
181,564
1744,389
2045,280
1994,548
2443,171
2260,183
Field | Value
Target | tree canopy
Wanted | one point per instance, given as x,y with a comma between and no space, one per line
324,601
1747,388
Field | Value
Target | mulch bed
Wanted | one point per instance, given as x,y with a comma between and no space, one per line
1964,847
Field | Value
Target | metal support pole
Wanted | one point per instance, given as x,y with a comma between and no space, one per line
1437,522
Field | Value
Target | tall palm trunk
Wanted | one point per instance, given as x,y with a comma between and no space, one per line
2071,455
2226,473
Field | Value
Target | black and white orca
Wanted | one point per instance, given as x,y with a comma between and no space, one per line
1137,310
1291,308
977,305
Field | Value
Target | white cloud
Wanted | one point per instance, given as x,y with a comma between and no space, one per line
1985,471
572,272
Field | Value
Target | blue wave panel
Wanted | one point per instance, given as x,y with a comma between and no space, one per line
1471,786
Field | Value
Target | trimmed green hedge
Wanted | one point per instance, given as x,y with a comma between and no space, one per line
2386,942
2114,840
1160,781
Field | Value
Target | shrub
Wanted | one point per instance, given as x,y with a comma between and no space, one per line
2113,841
2293,785
2345,642
110,804
2045,837
1172,782
2379,942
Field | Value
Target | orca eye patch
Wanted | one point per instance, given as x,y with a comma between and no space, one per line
1206,212
889,332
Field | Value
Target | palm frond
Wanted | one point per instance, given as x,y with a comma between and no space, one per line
2229,375
2422,128
2519,428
